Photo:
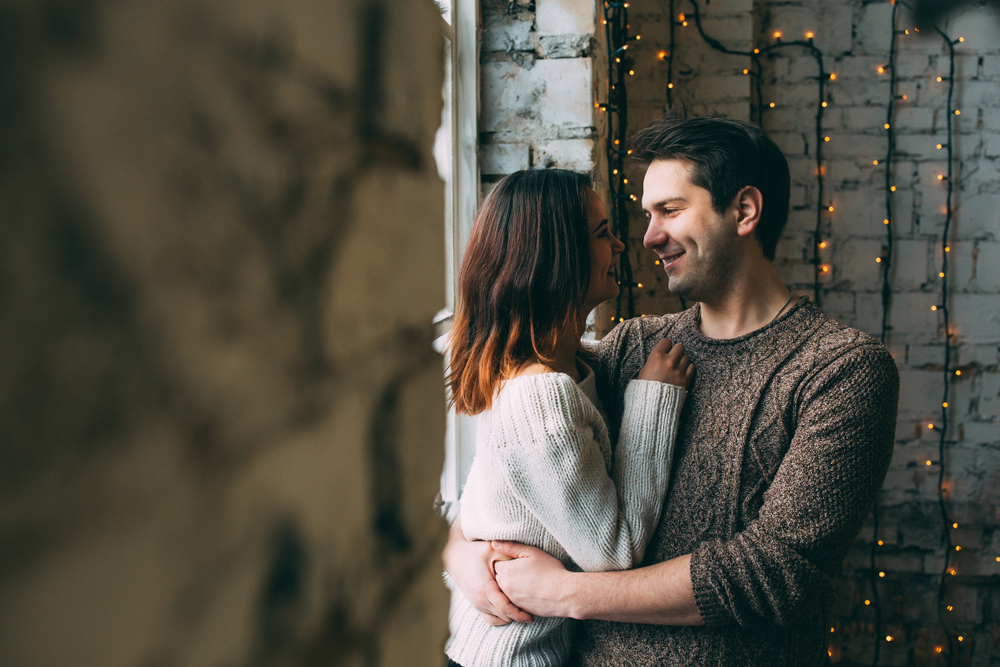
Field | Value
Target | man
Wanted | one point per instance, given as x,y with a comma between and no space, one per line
785,437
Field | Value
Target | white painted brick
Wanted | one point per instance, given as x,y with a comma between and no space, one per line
566,99
983,355
989,398
978,215
506,34
866,119
911,267
873,30
858,263
976,317
913,317
560,17
572,154
991,146
980,30
503,158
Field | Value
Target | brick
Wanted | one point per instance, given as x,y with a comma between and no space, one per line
572,154
911,264
989,398
978,214
873,29
559,17
504,33
860,269
504,158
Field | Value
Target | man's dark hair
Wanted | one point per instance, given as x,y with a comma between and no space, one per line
725,155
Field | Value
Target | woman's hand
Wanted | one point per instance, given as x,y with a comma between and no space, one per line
471,567
535,579
668,363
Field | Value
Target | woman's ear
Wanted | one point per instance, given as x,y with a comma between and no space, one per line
749,204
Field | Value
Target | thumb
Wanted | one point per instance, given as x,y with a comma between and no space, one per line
511,549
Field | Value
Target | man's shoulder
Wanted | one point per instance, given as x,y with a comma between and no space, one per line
827,342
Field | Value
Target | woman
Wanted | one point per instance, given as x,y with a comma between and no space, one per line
540,257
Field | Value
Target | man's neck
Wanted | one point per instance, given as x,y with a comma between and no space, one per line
751,301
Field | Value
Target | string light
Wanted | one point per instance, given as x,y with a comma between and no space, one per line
616,32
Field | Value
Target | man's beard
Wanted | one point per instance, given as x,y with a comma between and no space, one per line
707,279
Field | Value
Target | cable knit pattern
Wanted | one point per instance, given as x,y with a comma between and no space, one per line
543,475
785,438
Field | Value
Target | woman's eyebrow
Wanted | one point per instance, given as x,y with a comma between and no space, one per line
602,223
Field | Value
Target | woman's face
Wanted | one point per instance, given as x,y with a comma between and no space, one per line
604,252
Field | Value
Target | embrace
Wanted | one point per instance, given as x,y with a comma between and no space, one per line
688,488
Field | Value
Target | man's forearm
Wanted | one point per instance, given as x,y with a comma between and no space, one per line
660,594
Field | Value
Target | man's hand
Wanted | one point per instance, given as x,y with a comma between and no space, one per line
668,363
533,579
471,567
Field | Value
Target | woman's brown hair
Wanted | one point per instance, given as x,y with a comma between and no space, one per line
523,280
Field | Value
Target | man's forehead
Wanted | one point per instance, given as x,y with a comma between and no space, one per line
666,179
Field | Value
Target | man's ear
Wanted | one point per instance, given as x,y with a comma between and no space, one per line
749,204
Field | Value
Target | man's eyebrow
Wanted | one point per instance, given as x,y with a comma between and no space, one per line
669,200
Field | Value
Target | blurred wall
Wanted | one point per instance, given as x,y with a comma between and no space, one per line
221,248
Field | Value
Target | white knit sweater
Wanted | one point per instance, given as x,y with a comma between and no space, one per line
543,476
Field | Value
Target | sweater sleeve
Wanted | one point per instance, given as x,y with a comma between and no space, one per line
555,468
784,561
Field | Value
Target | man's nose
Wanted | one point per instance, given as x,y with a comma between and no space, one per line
655,235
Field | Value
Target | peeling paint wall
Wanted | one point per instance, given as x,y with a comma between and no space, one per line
221,419
537,86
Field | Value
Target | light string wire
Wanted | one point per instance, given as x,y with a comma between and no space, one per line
947,523
616,28
822,77
885,259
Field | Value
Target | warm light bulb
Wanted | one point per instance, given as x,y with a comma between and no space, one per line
772,105
656,262
947,248
833,76
881,574
746,71
670,85
684,24
625,180
615,172
941,275
904,97
867,602
957,112
892,188
949,608
886,221
929,462
880,542
881,70
930,426
886,126
940,146
958,548
961,638
826,138
823,105
961,39
938,649
952,572
638,37
661,55
875,162
940,177
777,35
830,209
939,79
638,284
888,638
631,72
681,16
958,372
809,35
933,307
822,244
825,268
878,260
945,404
616,142
756,50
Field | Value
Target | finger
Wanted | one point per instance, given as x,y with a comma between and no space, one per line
689,373
662,347
505,608
511,549
493,620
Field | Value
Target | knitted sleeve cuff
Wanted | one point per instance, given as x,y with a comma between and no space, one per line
652,407
706,594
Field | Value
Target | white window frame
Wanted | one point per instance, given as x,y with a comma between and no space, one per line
462,195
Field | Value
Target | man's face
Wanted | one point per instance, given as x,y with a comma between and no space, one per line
696,245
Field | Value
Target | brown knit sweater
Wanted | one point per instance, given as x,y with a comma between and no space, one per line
784,441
